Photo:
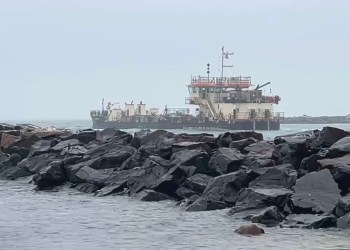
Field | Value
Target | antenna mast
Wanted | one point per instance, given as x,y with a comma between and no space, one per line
224,55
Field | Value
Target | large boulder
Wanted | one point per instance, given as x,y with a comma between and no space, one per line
315,193
241,144
116,183
261,150
283,176
225,160
198,182
151,195
147,176
114,158
170,182
40,147
291,152
93,176
205,204
344,222
343,206
65,144
254,198
221,190
50,176
224,140
196,158
36,163
270,216
309,164
310,221
86,136
328,136
340,148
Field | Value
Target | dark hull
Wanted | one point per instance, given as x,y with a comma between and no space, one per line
236,125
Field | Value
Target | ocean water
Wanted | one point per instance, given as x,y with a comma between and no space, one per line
71,220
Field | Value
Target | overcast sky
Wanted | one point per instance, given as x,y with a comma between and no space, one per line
59,58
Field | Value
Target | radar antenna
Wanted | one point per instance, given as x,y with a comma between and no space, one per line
224,55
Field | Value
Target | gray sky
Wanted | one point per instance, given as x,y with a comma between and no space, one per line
58,58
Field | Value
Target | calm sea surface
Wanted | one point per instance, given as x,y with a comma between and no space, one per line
72,220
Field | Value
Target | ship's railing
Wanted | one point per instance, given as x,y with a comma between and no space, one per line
239,81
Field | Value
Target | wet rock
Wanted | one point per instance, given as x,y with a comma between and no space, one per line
71,170
7,140
241,144
315,192
65,144
50,176
292,153
135,142
185,192
261,163
341,175
305,136
205,204
198,182
225,160
9,170
115,158
270,216
142,133
254,198
274,177
150,195
116,183
196,158
250,230
170,182
334,162
74,150
310,221
92,176
343,206
122,138
309,164
329,136
340,148
86,136
86,188
36,163
156,135
179,146
147,176
221,192
40,147
261,150
344,222
107,134
3,157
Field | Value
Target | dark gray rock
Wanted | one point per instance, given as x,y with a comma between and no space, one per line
329,136
71,170
188,145
92,176
36,163
309,164
274,177
310,221
340,148
254,198
225,160
74,150
170,182
241,144
343,206
116,183
65,144
86,188
86,136
50,176
250,230
261,163
196,158
155,135
260,150
40,147
150,195
341,175
270,216
206,204
315,192
292,153
147,176
198,182
114,158
185,192
344,222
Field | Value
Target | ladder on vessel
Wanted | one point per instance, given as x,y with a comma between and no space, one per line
211,108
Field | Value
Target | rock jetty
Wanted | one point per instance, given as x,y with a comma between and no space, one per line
299,180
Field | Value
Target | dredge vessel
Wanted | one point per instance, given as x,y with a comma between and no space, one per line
231,103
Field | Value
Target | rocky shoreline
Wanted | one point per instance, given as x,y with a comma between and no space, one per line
300,180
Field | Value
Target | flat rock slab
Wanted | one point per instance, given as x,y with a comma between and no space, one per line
310,221
344,222
315,192
343,206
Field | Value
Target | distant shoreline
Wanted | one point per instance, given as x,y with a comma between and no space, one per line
316,120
